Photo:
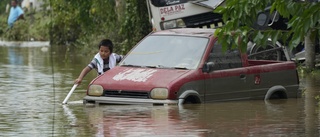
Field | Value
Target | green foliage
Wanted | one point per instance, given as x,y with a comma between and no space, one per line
33,27
239,17
135,24
3,4
84,23
18,32
69,20
3,16
304,18
3,24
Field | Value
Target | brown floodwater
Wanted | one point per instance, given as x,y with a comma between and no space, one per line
35,80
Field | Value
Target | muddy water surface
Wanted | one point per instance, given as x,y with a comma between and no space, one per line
33,85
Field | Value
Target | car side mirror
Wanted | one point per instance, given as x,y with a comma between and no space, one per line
262,19
208,67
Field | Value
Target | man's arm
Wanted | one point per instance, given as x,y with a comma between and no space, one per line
21,17
21,13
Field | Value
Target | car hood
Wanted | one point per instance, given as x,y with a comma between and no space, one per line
139,79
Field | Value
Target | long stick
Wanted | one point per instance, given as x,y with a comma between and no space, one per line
69,94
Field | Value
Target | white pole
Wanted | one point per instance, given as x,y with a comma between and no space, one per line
69,94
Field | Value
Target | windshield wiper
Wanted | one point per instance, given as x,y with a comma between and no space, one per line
179,67
129,65
156,66
151,66
161,66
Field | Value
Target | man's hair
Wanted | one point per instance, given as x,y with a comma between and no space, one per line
106,43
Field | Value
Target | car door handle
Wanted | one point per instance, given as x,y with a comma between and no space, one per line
242,76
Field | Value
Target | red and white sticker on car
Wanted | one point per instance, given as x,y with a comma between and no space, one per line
135,75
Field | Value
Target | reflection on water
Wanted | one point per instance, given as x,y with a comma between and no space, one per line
14,57
243,118
137,121
24,93
311,107
26,86
33,87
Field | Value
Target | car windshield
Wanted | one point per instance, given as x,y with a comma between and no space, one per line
179,52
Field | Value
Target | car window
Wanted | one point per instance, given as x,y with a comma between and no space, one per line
228,59
167,51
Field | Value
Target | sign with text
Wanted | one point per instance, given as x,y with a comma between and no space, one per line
170,10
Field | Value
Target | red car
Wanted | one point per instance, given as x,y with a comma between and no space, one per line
188,65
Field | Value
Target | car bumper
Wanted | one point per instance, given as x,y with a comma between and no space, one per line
125,101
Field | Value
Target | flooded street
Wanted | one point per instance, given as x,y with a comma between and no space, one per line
33,86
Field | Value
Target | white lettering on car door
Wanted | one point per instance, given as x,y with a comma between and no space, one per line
136,75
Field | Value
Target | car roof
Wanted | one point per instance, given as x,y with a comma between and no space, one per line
187,32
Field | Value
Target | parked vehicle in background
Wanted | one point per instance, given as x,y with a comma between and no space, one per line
280,50
188,65
169,14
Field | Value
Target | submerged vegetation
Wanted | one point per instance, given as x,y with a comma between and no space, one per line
81,24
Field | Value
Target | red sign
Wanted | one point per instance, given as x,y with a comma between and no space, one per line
172,9
257,79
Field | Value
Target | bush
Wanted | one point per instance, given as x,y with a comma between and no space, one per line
34,27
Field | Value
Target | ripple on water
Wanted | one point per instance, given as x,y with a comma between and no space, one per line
29,107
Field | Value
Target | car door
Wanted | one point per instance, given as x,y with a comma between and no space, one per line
227,80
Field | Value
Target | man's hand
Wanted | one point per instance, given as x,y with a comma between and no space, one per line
21,17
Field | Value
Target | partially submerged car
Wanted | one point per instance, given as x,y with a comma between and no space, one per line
188,65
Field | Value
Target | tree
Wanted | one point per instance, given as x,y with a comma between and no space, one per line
135,24
240,15
3,4
85,22
3,15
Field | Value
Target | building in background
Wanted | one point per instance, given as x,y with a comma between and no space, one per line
36,4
